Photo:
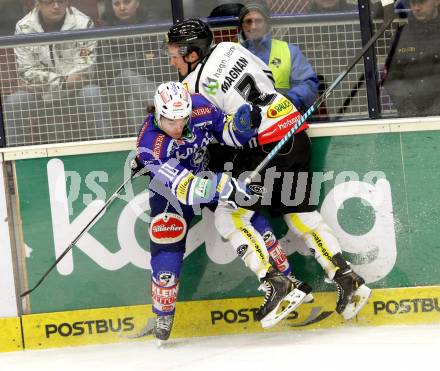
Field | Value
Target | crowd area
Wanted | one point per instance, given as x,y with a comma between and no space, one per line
102,89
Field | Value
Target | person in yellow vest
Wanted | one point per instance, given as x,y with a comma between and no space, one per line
293,74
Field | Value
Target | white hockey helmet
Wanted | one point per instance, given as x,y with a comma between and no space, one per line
172,101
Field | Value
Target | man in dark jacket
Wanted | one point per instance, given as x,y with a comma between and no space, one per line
413,66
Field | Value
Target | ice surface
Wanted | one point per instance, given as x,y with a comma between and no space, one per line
343,349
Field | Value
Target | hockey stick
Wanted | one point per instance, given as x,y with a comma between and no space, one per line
388,17
64,253
353,93
146,331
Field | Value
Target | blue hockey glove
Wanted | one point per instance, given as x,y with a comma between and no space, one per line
247,119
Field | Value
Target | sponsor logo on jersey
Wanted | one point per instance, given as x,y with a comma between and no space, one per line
211,86
167,228
269,238
279,129
164,298
202,111
224,62
276,62
183,187
201,187
157,145
279,108
234,73
165,279
98,326
188,151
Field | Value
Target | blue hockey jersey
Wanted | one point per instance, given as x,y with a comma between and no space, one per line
181,164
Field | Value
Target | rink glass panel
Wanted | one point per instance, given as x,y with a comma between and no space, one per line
329,44
392,246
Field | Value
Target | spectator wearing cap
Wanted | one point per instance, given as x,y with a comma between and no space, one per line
412,76
293,74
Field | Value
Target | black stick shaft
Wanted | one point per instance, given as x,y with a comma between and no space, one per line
64,253
388,19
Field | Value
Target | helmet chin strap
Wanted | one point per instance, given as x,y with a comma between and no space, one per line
190,65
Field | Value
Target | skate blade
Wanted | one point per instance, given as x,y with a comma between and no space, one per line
146,331
309,298
160,344
295,299
357,302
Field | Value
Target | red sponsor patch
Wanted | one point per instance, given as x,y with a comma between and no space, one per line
157,145
272,112
167,228
164,299
202,111
280,128
278,255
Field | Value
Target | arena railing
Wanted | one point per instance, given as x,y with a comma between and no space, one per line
131,63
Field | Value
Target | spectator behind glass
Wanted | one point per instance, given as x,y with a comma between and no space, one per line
293,74
123,12
226,10
328,6
412,69
55,79
10,12
124,63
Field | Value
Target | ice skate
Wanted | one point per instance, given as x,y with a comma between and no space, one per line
278,289
352,292
162,328
302,286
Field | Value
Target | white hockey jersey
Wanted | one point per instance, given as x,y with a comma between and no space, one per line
231,76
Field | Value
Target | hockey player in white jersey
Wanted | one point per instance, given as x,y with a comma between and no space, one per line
229,75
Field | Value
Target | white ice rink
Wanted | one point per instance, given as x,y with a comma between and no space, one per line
398,348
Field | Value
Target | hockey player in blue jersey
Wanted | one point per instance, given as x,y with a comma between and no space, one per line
172,149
